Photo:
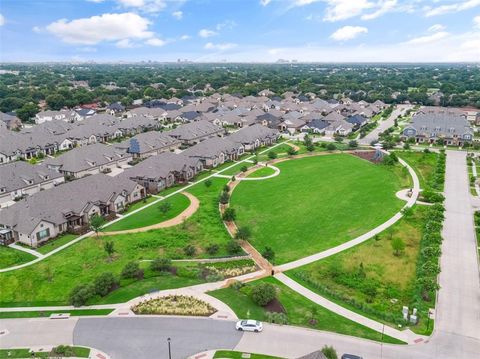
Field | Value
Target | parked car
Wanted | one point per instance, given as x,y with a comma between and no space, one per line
249,325
350,356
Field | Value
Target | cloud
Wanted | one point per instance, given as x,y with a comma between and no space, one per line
37,29
124,44
345,9
348,33
456,7
207,33
155,41
428,38
384,7
436,28
2,20
106,27
220,47
177,15
227,25
265,2
185,37
476,21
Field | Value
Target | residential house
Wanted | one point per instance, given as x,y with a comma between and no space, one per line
255,136
148,144
340,127
12,122
195,132
63,115
316,126
215,151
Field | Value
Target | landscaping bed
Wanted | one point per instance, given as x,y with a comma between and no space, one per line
175,305
230,354
61,351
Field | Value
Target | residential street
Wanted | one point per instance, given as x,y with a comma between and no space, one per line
389,122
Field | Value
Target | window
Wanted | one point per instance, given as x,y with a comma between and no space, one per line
43,234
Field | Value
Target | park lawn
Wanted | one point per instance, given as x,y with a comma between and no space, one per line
47,313
230,354
351,275
235,170
423,164
50,281
80,352
10,257
298,310
262,172
55,243
140,204
316,203
152,214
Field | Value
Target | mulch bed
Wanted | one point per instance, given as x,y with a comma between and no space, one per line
366,155
275,306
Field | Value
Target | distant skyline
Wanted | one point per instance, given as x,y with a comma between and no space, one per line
240,30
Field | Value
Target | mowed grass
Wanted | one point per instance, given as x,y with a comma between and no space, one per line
262,172
316,203
55,243
10,257
152,214
351,274
50,281
80,352
423,164
47,313
298,310
230,354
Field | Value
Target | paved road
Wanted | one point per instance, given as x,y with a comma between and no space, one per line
458,306
389,122
128,338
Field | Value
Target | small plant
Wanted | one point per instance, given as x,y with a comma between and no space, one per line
208,183
164,207
264,293
243,233
329,352
268,253
233,247
189,250
109,247
214,277
237,285
398,246
229,214
212,249
244,168
132,270
352,144
161,265
272,155
291,151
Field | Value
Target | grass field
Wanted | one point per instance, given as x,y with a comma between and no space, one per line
140,204
80,352
230,354
316,203
10,257
55,243
298,310
152,214
47,313
50,281
262,172
423,164
371,274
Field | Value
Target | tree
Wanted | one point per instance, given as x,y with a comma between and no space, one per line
244,168
243,233
164,207
331,147
233,247
212,249
272,155
27,111
353,144
264,293
406,146
329,352
268,253
224,197
398,246
161,265
104,284
338,138
291,151
310,147
229,214
80,295
208,183
55,101
96,223
109,247
132,270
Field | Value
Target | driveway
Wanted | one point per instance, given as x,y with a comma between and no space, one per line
139,337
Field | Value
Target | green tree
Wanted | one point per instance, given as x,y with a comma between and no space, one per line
224,197
132,270
331,147
96,223
272,155
229,214
243,233
164,207
161,265
208,183
268,253
109,247
233,247
80,295
27,111
263,293
398,246
55,101
104,284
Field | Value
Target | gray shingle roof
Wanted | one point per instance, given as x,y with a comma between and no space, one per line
17,175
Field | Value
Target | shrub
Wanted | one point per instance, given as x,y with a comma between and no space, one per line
81,294
398,246
226,188
263,293
277,318
212,249
161,265
406,146
233,247
224,198
310,147
105,283
164,207
353,144
132,270
229,214
268,253
291,151
244,168
208,183
237,285
331,147
329,352
432,196
189,250
243,233
214,277
63,351
272,155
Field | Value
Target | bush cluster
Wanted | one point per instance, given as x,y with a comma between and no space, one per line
101,286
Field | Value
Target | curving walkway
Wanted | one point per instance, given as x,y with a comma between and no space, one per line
188,212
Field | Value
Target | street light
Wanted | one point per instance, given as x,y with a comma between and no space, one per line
169,350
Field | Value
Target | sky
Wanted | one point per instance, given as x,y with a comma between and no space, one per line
240,30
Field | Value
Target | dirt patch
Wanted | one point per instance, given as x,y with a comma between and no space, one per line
275,306
366,155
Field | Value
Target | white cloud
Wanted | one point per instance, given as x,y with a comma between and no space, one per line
384,7
149,6
227,24
106,27
220,47
456,7
2,20
124,44
436,28
185,37
177,15
207,33
428,38
476,21
345,9
155,41
348,33
265,2
37,29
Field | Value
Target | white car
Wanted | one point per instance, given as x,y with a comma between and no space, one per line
249,325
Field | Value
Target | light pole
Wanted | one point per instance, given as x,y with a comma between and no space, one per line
169,350
381,343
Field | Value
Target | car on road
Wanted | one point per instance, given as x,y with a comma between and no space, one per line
350,356
249,325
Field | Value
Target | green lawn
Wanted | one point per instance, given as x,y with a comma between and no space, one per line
140,204
50,281
55,243
80,352
262,172
152,215
237,168
367,277
316,203
10,257
423,164
230,354
47,313
298,310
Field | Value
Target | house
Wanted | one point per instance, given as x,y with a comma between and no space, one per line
20,179
115,108
195,132
66,208
451,128
12,122
340,127
89,160
215,151
255,136
159,172
333,117
83,113
63,115
148,144
357,121
292,124
316,126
